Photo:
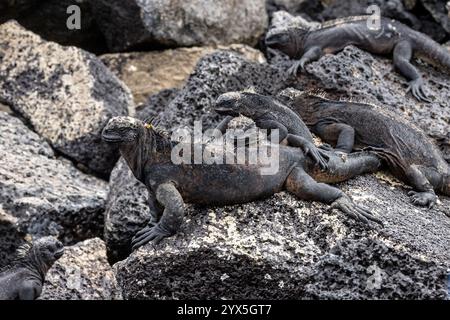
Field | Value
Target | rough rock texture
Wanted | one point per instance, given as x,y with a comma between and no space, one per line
67,95
285,248
49,20
83,273
440,11
46,195
126,211
179,23
356,73
304,8
282,247
147,73
215,74
412,15
156,104
10,238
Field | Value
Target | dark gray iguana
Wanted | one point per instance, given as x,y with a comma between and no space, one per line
268,113
408,152
148,154
24,279
307,45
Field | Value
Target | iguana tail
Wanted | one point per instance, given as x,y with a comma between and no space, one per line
432,52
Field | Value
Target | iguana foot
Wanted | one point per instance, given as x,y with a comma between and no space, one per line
293,71
347,206
319,156
417,89
326,147
424,199
152,233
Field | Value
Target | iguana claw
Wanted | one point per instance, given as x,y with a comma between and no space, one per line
425,199
293,71
417,90
319,156
150,233
347,206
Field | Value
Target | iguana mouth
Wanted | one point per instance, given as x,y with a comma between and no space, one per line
111,138
225,111
271,41
58,254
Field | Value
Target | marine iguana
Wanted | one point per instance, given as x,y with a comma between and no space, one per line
408,152
268,113
24,279
148,154
308,45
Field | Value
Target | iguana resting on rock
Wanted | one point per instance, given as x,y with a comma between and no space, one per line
268,113
23,280
148,153
309,45
408,151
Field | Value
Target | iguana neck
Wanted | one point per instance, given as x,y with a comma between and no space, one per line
149,148
34,264
299,41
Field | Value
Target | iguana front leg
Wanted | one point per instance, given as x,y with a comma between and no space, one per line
29,290
343,134
317,155
155,210
402,57
223,125
171,220
312,54
424,196
306,188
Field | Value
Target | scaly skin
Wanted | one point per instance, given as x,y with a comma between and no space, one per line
268,113
408,151
148,153
393,38
24,279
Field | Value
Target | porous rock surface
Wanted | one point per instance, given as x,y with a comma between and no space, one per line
215,74
285,248
10,238
135,23
66,95
282,247
147,73
354,73
46,195
82,273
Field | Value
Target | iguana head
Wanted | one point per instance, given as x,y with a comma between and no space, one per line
244,103
122,130
287,40
43,252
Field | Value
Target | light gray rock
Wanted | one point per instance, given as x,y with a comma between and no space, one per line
283,248
10,238
179,23
67,95
215,74
148,73
44,194
83,273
